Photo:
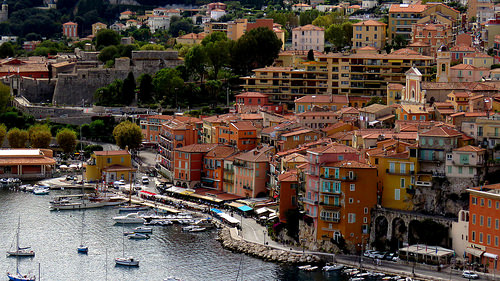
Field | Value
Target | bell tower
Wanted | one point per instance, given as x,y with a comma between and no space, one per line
443,64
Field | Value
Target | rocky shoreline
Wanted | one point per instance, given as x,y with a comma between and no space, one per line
263,252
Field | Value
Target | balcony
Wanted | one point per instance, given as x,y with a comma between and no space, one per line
330,219
329,204
388,171
493,135
349,178
423,183
308,201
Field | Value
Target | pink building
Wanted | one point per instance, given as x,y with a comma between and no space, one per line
467,73
316,157
460,50
250,172
254,101
70,30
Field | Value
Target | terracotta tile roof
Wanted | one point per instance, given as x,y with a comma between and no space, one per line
12,160
477,55
419,44
116,168
369,23
405,51
406,8
441,132
322,99
298,132
294,157
414,109
111,152
290,176
373,108
259,154
69,23
197,148
221,151
367,48
308,27
469,148
406,135
349,164
243,125
348,110
443,104
462,48
251,116
251,95
193,36
463,67
317,113
461,94
334,148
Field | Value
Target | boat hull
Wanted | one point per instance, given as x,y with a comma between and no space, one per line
126,262
84,205
21,254
82,250
19,277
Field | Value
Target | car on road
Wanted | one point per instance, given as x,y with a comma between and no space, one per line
470,274
379,255
145,180
367,253
391,257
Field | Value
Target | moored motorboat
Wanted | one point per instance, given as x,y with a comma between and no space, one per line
142,229
132,208
132,218
41,190
130,261
83,249
138,236
335,267
20,277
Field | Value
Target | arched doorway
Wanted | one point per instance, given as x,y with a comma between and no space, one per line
381,226
399,232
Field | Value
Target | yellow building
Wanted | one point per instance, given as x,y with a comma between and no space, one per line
369,33
394,92
397,165
109,166
98,26
364,74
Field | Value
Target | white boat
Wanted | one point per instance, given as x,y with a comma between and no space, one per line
20,251
126,261
82,249
335,267
41,190
142,229
130,261
30,188
18,276
78,202
132,218
138,236
197,229
132,208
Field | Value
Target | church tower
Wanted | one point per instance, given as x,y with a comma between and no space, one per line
4,13
412,92
443,64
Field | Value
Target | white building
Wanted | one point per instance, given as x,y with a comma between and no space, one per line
158,23
216,14
460,233
368,4
308,37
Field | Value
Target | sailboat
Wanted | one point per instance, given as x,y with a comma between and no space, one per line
130,207
82,249
18,276
126,261
23,252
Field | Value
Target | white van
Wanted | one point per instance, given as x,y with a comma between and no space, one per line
145,180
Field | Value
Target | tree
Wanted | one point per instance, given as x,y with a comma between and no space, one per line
183,26
3,132
5,97
66,138
257,48
347,33
214,37
128,89
218,56
153,47
127,134
145,94
310,55
195,61
97,128
167,82
40,136
307,17
106,37
334,34
17,138
6,50
108,53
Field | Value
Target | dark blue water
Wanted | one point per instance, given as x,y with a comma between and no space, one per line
55,235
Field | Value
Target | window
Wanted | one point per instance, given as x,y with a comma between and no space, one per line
488,239
403,183
496,241
474,219
365,220
365,210
496,223
351,200
474,201
489,203
449,169
392,167
402,168
459,170
473,236
351,218
488,222
396,194
481,220
497,204
482,201
108,160
480,237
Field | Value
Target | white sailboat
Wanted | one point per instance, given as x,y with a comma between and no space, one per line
82,249
17,276
126,261
24,251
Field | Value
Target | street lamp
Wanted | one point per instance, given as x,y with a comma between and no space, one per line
303,242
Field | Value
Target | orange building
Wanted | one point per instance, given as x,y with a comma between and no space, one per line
250,172
484,226
240,134
188,162
174,134
213,166
288,183
347,193
297,137
70,30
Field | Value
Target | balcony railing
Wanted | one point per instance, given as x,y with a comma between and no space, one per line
330,219
395,172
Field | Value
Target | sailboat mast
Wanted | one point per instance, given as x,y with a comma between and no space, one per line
17,244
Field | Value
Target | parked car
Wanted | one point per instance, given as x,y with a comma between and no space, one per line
145,180
367,253
372,255
391,257
470,274
379,255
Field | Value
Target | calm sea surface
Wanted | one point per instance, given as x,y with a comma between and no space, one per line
55,235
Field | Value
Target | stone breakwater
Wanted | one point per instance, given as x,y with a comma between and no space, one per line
264,252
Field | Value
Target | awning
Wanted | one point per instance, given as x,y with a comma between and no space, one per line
207,180
245,208
261,210
490,255
216,210
474,252
387,117
371,123
235,205
186,192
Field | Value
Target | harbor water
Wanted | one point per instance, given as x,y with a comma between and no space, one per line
55,236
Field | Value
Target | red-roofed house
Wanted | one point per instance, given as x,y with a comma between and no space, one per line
479,60
254,102
213,166
436,35
331,102
468,73
308,37
460,50
295,138
467,163
289,184
70,30
434,145
250,172
369,33
188,164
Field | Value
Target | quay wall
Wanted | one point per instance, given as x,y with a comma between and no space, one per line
266,253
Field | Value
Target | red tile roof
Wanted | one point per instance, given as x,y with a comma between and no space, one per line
197,148
441,132
251,95
111,152
406,8
290,176
469,148
369,23
308,27
477,55
323,99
